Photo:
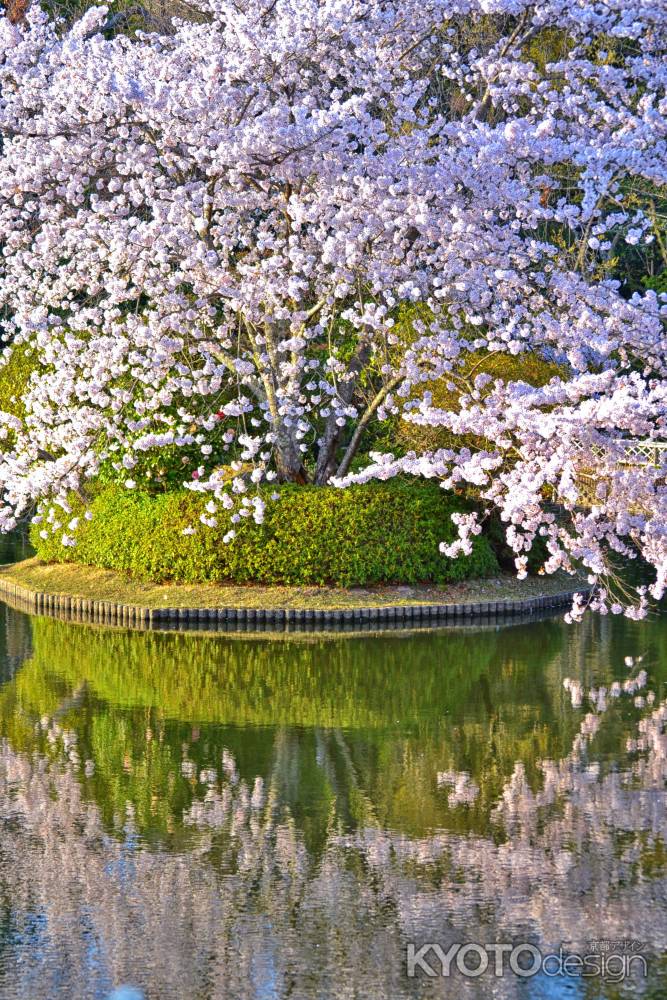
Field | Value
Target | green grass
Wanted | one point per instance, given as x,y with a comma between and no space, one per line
107,585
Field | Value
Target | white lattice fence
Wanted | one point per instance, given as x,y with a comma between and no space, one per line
634,452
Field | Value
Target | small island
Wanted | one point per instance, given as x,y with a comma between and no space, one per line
88,593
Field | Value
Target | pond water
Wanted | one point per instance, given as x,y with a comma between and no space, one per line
202,816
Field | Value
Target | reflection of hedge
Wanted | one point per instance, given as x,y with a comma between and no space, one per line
379,532
369,722
343,683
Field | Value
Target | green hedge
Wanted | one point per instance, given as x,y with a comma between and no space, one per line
375,533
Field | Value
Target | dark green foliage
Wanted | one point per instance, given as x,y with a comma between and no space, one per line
380,532
494,529
657,282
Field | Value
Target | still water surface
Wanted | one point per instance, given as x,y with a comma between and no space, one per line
231,817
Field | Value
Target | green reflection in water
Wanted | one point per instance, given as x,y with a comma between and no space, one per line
356,725
406,786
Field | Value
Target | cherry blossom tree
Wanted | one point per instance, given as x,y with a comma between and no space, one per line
244,245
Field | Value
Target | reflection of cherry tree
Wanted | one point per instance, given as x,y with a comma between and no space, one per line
247,910
220,920
574,863
363,730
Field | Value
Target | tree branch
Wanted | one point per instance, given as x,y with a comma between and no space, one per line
352,447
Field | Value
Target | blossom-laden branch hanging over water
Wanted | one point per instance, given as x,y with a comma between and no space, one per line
262,236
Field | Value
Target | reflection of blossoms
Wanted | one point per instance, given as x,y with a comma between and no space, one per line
597,697
216,881
247,901
148,910
462,789
582,830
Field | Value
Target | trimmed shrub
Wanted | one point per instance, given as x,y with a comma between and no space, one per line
375,533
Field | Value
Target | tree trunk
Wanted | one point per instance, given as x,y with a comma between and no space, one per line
326,458
289,465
